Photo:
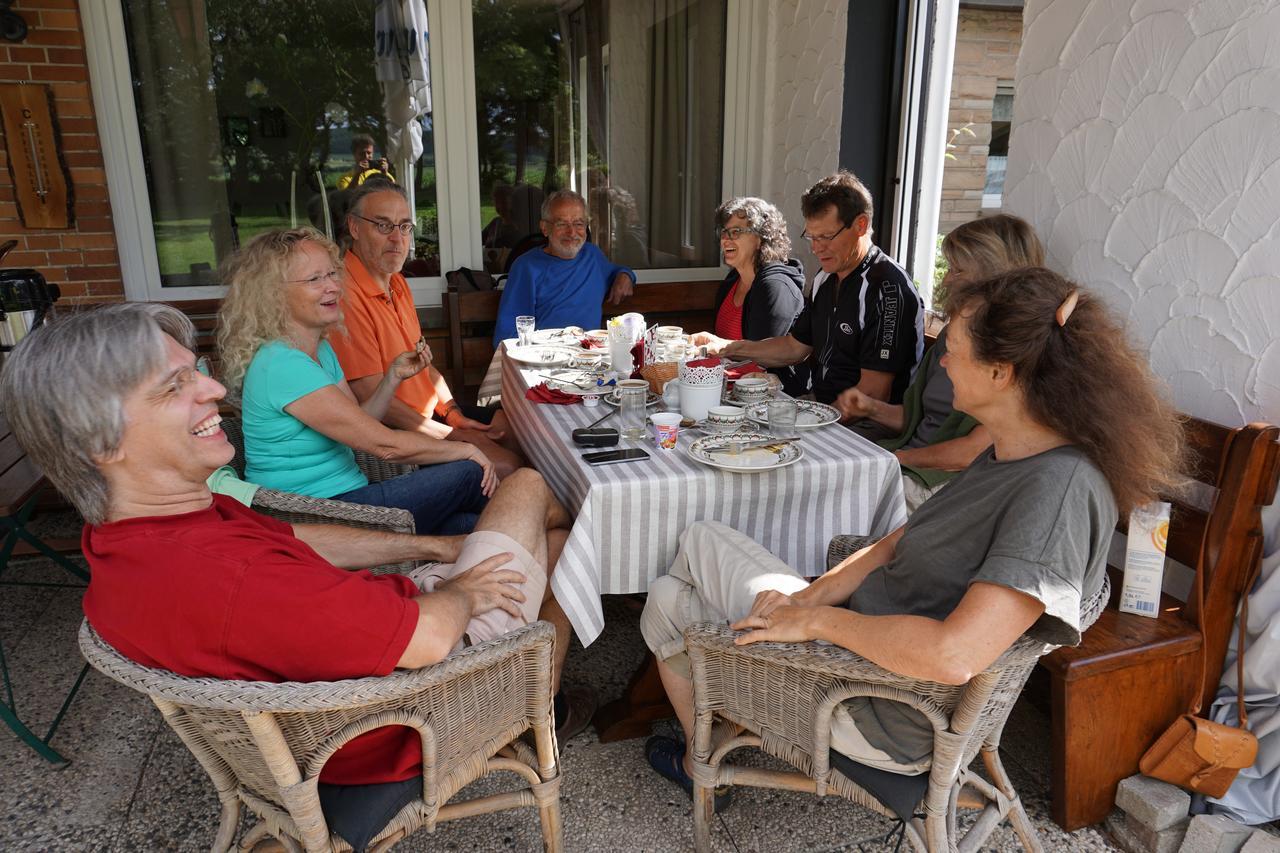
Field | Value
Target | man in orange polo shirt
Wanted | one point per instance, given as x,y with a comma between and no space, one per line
381,323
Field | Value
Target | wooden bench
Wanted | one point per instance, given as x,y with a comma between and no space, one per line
470,318
1128,680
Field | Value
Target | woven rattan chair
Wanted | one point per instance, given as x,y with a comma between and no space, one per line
263,744
783,695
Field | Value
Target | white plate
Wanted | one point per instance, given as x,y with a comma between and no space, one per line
710,450
651,399
569,336
542,355
809,414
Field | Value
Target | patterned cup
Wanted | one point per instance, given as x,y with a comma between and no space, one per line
751,389
725,418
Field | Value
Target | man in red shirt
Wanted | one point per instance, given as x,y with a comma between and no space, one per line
381,322
110,404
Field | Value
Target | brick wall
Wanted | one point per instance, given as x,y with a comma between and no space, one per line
81,259
987,44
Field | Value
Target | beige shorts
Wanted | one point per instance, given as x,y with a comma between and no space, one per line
477,547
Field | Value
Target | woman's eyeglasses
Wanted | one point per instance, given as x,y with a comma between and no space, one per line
334,275
732,233
384,227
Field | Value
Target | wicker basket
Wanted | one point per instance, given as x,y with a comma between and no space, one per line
659,374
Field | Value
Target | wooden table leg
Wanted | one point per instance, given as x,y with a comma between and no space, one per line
644,702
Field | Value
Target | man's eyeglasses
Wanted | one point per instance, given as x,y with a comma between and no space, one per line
569,224
814,239
384,227
334,275
733,233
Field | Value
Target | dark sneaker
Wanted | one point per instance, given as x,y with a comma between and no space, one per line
666,756
580,706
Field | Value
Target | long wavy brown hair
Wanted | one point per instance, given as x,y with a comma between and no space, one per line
1081,379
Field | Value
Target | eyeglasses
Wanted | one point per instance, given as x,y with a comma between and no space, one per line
384,227
733,233
813,239
334,275
569,224
202,366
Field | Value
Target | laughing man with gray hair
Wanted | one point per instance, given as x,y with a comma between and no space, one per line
113,406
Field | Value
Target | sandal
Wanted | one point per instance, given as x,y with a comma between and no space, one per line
666,756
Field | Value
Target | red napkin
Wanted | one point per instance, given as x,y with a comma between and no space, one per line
540,393
712,361
591,343
736,373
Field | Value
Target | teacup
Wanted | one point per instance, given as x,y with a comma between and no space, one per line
588,360
598,336
725,418
751,389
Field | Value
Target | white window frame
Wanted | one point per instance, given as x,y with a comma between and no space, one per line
457,160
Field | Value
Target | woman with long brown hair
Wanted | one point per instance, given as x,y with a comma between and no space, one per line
1080,434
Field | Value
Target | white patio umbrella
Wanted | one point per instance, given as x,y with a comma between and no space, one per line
404,70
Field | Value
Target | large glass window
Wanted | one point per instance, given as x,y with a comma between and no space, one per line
251,114
620,100
998,149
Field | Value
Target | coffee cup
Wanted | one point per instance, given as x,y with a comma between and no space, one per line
751,389
666,429
725,418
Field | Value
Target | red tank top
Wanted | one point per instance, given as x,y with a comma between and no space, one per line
729,318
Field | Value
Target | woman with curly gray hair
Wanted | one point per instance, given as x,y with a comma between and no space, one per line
764,291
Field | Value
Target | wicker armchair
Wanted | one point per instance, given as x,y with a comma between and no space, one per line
263,744
746,686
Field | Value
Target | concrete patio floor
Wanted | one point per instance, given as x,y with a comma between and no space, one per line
131,785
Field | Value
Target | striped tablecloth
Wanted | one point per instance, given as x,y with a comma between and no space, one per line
630,516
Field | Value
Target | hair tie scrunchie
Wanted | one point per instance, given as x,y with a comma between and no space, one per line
1063,314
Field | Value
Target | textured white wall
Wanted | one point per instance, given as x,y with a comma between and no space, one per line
1146,151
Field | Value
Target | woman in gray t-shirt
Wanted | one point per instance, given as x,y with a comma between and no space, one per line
1079,435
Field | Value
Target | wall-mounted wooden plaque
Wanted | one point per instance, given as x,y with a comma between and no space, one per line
41,182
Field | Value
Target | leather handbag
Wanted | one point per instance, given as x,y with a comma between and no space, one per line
1198,754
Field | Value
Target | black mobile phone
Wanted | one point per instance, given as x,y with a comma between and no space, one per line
610,457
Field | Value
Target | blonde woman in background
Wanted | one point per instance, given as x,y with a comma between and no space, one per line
933,441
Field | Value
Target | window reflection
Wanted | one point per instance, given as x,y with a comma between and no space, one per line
620,100
247,114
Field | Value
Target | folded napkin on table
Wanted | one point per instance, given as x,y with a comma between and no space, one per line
540,393
711,361
733,374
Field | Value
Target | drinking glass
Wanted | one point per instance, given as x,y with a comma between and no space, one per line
782,417
632,394
524,329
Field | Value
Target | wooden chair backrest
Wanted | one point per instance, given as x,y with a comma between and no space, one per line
1243,466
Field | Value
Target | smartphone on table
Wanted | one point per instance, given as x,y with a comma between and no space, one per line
612,457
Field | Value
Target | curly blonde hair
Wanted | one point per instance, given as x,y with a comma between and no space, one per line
253,311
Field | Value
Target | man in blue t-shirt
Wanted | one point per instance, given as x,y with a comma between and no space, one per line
565,283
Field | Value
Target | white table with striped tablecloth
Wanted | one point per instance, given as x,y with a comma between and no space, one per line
630,516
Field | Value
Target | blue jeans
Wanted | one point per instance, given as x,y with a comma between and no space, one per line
445,499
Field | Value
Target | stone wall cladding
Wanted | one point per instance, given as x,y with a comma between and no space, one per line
987,44
82,260
1144,152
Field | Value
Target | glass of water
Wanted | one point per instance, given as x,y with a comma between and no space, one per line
782,417
524,329
632,395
